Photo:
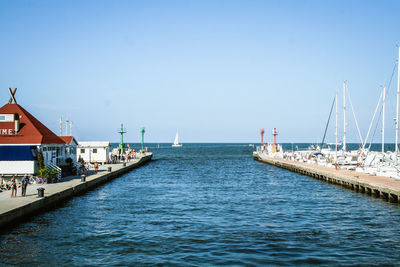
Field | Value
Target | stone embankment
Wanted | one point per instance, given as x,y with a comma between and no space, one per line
379,186
13,210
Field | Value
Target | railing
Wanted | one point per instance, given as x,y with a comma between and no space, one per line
76,164
51,165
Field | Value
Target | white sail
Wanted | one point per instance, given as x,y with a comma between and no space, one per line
176,141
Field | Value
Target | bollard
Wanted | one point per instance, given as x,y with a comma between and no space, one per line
109,169
40,192
124,164
83,178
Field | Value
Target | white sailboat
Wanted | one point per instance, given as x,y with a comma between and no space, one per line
176,141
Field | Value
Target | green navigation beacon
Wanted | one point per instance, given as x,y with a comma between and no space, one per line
142,131
121,145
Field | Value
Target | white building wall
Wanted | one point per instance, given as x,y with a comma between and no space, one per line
100,156
94,151
17,167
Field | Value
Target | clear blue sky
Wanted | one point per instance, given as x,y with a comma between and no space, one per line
217,71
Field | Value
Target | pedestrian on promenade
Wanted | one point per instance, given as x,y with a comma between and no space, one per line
13,187
25,182
82,168
86,168
96,167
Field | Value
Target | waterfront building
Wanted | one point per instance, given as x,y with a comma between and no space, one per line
22,137
70,148
93,151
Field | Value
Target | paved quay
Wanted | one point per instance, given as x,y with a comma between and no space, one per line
386,188
14,209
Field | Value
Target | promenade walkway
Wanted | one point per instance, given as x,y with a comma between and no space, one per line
13,209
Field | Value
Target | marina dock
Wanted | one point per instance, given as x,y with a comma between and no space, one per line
379,186
16,209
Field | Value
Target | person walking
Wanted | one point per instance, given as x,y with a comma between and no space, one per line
86,168
25,182
82,168
13,187
96,167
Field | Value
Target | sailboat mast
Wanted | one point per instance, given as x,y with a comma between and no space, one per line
344,116
336,128
397,108
383,119
61,126
66,127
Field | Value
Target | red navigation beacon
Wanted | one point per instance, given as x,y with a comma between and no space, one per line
275,133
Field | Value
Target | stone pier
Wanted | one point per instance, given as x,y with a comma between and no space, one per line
379,186
13,210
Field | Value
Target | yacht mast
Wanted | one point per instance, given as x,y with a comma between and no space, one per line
60,126
336,128
66,127
397,108
344,116
383,119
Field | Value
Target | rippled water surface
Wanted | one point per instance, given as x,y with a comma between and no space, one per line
209,204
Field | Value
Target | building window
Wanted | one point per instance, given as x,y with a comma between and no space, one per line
82,151
44,148
94,150
2,118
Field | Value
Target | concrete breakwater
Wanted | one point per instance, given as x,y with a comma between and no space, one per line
13,210
383,187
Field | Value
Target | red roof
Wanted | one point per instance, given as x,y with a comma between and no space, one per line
32,131
68,139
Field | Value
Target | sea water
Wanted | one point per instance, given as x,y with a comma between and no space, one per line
209,204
